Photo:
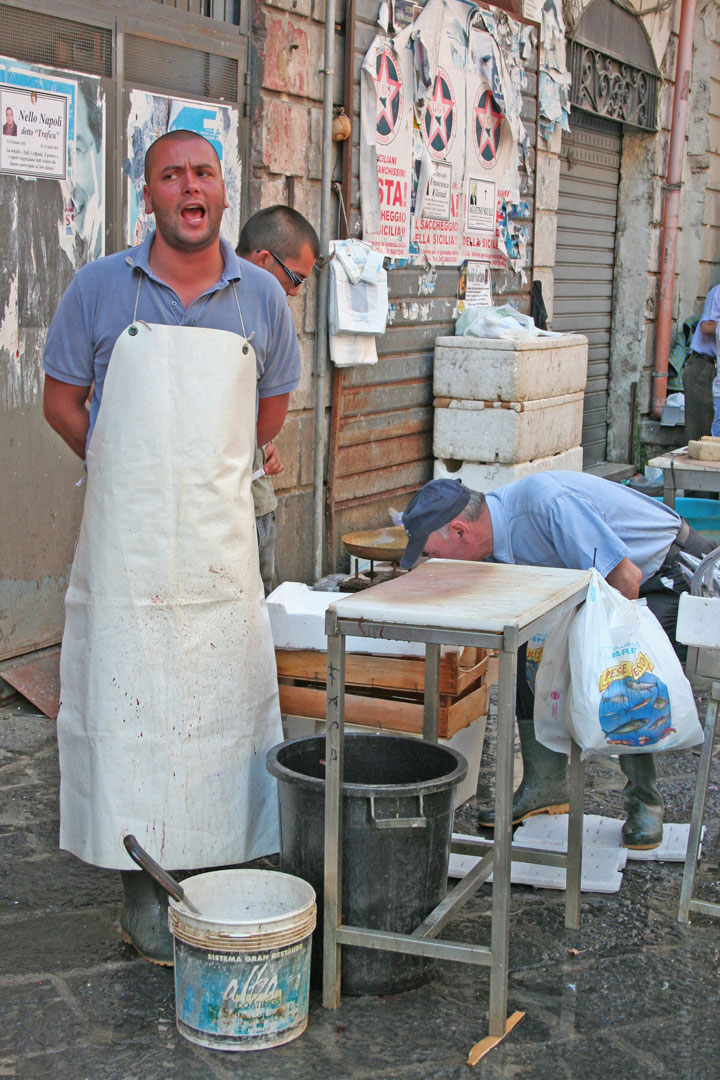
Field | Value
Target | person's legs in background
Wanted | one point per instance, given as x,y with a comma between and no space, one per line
698,374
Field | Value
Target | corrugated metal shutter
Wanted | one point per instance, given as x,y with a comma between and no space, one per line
380,447
585,258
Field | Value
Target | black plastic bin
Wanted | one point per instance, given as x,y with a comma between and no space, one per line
393,874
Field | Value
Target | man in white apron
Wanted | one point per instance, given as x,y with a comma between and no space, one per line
284,243
168,685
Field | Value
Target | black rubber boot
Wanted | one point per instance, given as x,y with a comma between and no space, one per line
643,829
544,786
144,918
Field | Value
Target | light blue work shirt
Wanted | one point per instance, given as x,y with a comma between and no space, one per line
705,343
100,301
577,520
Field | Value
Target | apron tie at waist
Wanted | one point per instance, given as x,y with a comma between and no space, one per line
677,545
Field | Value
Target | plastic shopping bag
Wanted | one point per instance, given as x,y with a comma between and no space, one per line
547,659
628,693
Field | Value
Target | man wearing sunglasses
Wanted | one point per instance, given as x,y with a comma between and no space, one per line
284,243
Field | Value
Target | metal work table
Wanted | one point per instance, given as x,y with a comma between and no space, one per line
492,606
681,472
698,626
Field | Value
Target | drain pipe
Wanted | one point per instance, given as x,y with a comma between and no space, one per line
321,321
671,209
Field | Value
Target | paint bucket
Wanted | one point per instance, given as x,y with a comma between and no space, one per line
242,968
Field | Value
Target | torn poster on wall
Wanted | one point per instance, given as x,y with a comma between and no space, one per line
385,147
153,115
462,75
554,78
53,128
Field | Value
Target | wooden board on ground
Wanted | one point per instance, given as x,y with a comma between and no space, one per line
37,677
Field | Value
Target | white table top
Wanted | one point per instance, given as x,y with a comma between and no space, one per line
680,459
448,594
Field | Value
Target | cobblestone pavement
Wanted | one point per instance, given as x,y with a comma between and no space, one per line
632,994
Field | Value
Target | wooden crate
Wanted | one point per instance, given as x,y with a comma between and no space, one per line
386,691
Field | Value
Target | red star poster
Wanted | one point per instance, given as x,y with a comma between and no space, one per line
386,147
491,171
440,142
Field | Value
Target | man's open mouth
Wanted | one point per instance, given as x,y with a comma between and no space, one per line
193,212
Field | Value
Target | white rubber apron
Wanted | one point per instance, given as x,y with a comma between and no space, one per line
169,688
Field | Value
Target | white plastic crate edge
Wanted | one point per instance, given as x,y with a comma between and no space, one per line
297,619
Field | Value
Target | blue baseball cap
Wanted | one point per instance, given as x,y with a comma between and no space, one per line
433,506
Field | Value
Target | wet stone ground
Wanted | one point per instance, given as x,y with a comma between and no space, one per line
632,994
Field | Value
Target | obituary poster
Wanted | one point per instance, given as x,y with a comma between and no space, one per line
34,139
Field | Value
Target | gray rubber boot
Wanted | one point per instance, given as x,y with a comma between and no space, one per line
544,786
643,829
144,918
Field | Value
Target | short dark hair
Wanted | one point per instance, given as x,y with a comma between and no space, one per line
280,229
180,135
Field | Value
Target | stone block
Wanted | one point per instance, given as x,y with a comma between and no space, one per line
485,477
293,54
284,133
548,182
288,444
298,7
273,192
313,150
307,449
304,396
509,369
507,432
544,239
294,554
307,299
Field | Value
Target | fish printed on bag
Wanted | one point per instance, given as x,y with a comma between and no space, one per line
634,704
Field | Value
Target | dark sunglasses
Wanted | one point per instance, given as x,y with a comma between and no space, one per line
294,278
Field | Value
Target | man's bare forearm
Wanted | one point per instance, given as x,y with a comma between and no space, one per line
65,411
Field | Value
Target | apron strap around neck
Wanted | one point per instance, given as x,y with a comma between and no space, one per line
242,322
137,296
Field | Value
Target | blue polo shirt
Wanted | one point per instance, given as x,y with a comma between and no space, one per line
705,343
99,304
577,520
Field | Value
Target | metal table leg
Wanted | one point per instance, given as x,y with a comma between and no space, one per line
500,929
430,706
575,840
669,487
687,904
334,745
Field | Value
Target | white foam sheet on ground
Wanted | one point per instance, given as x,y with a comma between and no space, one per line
604,856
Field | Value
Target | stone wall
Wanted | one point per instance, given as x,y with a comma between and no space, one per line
640,206
285,166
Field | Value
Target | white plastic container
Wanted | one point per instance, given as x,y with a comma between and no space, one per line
242,968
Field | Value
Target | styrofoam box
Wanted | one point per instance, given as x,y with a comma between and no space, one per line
297,619
698,621
522,431
479,476
468,742
509,369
